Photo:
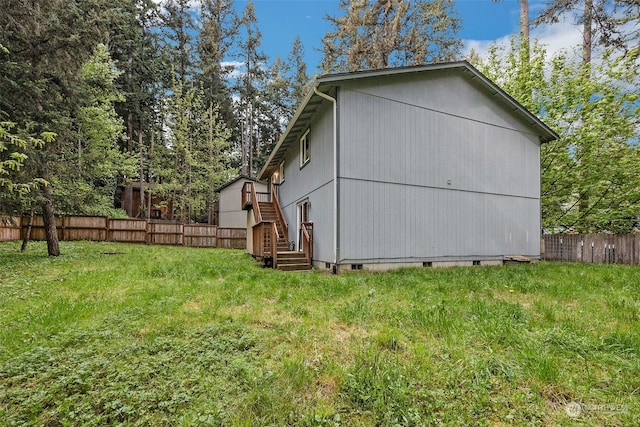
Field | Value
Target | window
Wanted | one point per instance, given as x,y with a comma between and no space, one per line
277,177
304,149
281,172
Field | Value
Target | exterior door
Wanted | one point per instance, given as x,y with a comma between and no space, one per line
303,216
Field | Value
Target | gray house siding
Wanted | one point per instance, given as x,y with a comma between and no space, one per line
312,182
231,214
431,168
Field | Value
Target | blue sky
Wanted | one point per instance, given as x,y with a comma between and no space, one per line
483,22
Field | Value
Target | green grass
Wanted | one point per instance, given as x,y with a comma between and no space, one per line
112,334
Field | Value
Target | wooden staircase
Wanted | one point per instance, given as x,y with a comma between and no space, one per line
286,260
270,224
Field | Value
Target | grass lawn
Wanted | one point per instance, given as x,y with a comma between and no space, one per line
113,334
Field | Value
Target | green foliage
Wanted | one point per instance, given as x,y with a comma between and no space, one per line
86,185
590,176
194,163
390,33
12,158
155,335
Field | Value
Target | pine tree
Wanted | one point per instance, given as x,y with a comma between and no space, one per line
178,28
48,42
217,35
298,79
194,161
390,33
250,86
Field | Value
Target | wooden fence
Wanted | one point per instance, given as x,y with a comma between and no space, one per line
597,248
9,228
129,230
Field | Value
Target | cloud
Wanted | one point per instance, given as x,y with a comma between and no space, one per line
563,35
237,68
193,4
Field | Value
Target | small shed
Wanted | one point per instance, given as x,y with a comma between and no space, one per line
230,213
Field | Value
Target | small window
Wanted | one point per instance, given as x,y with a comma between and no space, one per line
304,149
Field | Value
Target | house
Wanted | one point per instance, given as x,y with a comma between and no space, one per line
230,213
415,166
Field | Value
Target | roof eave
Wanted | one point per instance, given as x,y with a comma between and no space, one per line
303,105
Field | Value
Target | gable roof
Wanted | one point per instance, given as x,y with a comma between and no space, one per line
236,179
325,83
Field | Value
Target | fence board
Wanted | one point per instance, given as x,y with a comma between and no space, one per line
200,236
10,228
596,248
85,228
37,228
129,230
232,238
166,233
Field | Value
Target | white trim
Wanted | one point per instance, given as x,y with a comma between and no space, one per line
335,170
305,148
299,221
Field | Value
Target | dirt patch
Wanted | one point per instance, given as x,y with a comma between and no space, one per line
192,306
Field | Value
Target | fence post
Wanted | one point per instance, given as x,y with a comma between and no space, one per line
613,254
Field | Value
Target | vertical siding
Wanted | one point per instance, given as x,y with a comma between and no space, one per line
434,169
313,182
231,213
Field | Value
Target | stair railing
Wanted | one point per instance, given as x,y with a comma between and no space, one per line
276,205
274,244
249,191
307,240
247,201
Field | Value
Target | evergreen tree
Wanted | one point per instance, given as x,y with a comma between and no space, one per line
48,42
217,35
178,28
249,87
195,159
137,53
298,79
390,33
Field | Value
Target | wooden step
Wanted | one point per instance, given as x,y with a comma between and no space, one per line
293,261
294,267
291,255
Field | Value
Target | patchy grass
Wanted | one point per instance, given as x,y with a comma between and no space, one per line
149,335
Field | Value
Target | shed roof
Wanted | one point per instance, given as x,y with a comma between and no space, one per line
326,83
236,179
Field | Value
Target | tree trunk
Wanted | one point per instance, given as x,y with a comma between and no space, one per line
524,30
27,235
587,44
587,32
53,247
149,174
143,212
